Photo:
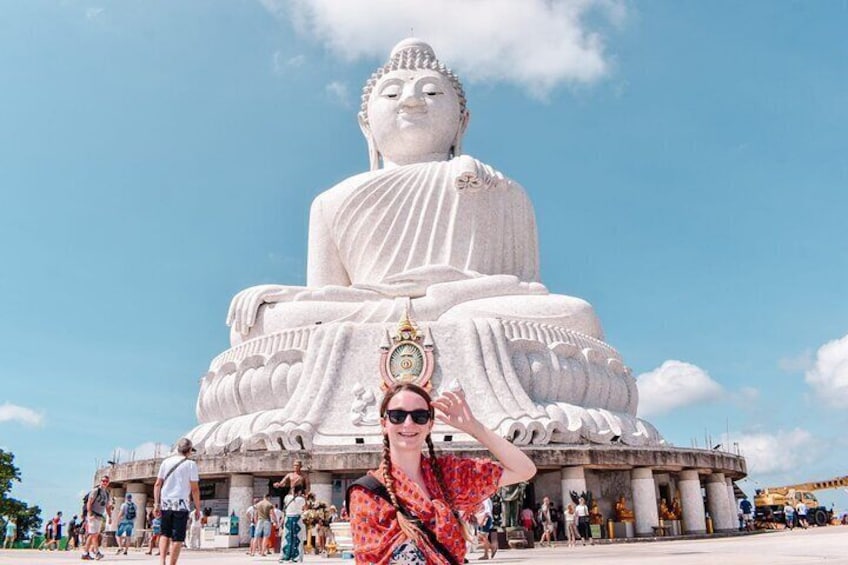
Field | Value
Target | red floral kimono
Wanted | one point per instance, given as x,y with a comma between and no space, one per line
377,537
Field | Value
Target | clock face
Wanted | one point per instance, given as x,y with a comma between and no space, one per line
406,362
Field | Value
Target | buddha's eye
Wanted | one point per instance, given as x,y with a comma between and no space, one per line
391,91
430,90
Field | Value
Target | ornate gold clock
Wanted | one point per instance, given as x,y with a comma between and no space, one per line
407,357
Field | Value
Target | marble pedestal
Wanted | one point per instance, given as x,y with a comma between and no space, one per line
319,386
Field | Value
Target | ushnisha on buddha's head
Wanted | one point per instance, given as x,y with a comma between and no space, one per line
413,108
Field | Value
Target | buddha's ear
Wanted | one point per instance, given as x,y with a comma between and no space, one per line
456,148
373,154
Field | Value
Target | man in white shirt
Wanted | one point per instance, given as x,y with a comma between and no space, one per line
177,480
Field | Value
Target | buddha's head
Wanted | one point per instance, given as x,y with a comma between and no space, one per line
413,108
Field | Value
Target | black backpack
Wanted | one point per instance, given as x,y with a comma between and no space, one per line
130,513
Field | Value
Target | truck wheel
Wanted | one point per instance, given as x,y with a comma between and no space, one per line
820,517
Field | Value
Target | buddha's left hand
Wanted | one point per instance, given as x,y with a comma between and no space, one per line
453,410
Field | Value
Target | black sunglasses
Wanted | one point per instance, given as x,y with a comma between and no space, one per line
420,417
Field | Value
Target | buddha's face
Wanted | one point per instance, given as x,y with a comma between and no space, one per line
413,113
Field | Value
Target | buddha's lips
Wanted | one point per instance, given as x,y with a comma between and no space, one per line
412,113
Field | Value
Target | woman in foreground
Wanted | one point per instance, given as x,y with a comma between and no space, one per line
410,514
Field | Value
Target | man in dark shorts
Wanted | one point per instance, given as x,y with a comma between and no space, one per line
177,485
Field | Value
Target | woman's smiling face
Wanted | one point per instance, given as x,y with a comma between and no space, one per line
407,434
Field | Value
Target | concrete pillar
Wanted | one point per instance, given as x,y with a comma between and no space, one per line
644,501
321,484
139,496
718,504
689,485
118,498
241,497
572,479
731,496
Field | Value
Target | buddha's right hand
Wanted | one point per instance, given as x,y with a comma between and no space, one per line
245,305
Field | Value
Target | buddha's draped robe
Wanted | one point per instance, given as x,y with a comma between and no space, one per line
411,224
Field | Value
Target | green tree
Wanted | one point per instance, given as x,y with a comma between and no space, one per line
27,517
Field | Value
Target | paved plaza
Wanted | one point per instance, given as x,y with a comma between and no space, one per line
816,545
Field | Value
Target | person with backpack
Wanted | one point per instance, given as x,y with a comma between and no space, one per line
396,510
177,481
97,509
126,522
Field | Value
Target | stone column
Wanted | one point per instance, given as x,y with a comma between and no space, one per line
689,485
118,496
139,495
718,504
572,479
321,484
731,497
241,497
644,501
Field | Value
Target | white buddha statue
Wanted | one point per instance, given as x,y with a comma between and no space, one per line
425,223
452,241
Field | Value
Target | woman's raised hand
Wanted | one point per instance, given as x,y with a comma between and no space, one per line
453,410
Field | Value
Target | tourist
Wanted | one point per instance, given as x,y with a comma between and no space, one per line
789,515
801,511
332,516
73,533
126,523
486,533
11,534
176,481
528,520
264,510
250,518
582,513
48,536
195,528
278,520
747,514
450,484
155,531
294,532
547,523
571,525
98,510
296,477
319,510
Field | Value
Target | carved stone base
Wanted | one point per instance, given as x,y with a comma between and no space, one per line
320,386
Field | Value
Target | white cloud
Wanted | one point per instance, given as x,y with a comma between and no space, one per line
14,413
339,93
673,385
536,44
748,394
797,364
147,450
829,376
774,453
283,63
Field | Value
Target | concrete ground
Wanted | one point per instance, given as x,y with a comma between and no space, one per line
816,545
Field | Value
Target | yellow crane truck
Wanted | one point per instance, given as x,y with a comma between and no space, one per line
769,502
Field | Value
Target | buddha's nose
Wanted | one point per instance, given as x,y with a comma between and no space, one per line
410,97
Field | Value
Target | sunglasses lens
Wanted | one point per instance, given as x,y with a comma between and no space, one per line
397,417
420,417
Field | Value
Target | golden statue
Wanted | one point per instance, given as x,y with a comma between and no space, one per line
664,512
622,512
595,516
676,512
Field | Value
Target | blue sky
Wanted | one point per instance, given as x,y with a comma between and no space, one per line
687,162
